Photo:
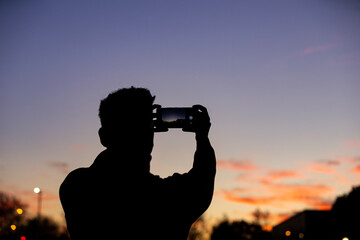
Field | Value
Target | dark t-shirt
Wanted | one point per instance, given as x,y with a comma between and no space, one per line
103,202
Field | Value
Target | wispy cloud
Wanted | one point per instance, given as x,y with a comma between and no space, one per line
281,195
356,169
321,169
78,147
274,176
352,144
63,167
256,177
282,62
239,197
330,162
349,59
319,48
323,166
235,191
237,165
349,159
311,195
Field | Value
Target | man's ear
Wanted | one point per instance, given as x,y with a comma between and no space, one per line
104,137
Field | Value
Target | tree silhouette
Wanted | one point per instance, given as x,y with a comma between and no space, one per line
238,230
45,228
10,215
260,217
14,224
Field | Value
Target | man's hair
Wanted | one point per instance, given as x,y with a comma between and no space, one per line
124,103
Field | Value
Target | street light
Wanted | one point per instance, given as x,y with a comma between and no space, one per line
39,193
37,190
19,211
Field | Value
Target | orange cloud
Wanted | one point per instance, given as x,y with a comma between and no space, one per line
313,196
233,196
271,176
356,169
234,191
321,169
237,165
280,175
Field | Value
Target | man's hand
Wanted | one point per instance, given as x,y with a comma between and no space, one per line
201,122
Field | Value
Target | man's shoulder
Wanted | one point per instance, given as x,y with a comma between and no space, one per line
77,174
75,178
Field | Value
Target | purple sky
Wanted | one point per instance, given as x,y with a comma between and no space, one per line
280,80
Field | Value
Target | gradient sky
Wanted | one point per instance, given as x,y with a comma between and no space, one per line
280,80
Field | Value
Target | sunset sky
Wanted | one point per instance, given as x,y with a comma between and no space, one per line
280,79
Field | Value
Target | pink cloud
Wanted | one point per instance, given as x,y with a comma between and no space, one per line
330,162
63,167
237,165
78,147
246,177
324,166
348,159
319,48
354,143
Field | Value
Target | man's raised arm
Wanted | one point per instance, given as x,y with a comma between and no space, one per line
204,160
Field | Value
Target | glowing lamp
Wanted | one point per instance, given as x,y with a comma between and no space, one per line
288,233
13,227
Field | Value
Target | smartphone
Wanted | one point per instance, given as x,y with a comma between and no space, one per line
173,117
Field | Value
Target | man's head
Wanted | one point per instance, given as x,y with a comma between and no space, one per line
126,120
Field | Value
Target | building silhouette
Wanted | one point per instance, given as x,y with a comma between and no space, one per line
315,225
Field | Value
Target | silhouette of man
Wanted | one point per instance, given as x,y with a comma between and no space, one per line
117,197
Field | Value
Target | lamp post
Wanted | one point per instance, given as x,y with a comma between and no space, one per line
39,193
